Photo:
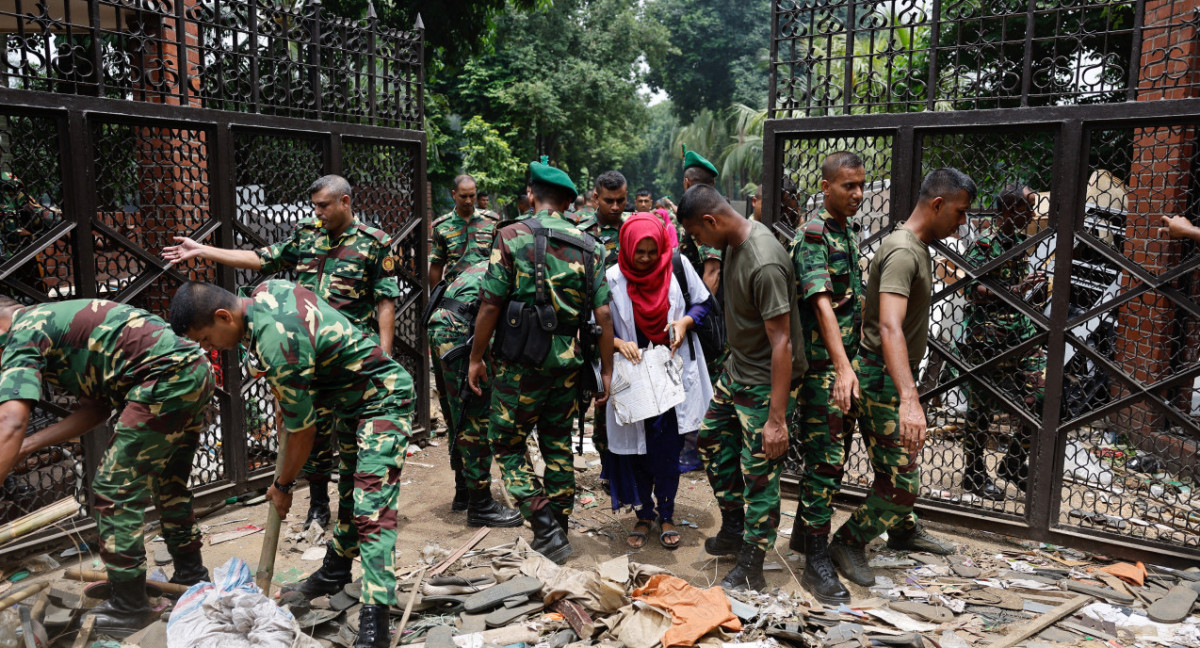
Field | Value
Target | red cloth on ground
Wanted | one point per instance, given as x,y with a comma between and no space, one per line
694,612
648,290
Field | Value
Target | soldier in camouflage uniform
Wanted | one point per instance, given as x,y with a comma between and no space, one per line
744,439
609,196
992,326
464,230
350,265
311,354
22,219
825,258
895,333
450,326
114,357
525,397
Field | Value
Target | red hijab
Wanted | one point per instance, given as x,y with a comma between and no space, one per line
648,290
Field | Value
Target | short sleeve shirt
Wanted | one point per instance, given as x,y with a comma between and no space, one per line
826,260
759,284
352,273
312,354
510,276
459,242
97,349
901,266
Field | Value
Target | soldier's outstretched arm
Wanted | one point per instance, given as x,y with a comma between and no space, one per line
86,416
485,325
14,419
604,320
189,249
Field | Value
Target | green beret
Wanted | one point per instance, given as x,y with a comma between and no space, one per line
544,173
692,158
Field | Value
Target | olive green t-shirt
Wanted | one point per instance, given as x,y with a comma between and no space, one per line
901,266
759,284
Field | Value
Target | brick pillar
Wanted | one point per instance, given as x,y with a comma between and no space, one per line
1160,177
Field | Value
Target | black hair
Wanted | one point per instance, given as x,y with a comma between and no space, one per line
835,162
700,175
1012,196
335,183
699,200
946,182
482,194
643,192
610,180
195,304
546,192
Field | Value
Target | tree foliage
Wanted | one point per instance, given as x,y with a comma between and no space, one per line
488,157
717,54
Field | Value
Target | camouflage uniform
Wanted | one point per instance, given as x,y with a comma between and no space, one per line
826,261
162,384
584,221
610,237
22,219
990,327
731,437
457,242
352,274
543,397
448,328
313,354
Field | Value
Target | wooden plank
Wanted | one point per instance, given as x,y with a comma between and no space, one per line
1034,626
85,632
458,553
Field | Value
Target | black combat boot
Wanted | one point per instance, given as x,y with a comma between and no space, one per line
333,575
975,478
548,537
373,627
462,496
564,521
820,578
852,561
728,541
917,539
483,511
748,572
126,611
799,540
318,502
189,568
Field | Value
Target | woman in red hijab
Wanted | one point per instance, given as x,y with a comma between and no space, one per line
648,309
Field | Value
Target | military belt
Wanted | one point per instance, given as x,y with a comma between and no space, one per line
463,311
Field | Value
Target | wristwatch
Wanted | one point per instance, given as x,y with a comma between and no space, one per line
284,488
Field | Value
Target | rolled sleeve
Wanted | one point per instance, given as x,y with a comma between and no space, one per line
20,383
812,266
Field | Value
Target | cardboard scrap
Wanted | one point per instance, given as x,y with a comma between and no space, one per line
1135,574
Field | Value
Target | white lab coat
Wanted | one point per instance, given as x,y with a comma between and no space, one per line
631,439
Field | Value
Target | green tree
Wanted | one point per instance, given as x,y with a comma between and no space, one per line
488,157
717,53
653,167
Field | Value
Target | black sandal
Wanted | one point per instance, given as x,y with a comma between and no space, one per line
662,537
642,536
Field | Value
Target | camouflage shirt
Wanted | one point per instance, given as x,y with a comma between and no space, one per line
1009,274
584,221
510,276
458,243
97,349
311,354
825,257
610,237
464,289
353,273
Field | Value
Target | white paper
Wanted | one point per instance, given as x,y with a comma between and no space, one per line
648,388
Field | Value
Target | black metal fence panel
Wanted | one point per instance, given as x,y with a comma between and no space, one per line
120,131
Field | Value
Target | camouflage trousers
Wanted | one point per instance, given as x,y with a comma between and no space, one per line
525,399
897,474
472,454
821,432
1023,378
731,449
149,461
370,459
320,463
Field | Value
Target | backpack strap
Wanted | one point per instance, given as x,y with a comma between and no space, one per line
681,277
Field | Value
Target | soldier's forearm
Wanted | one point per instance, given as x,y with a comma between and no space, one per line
830,331
14,419
300,445
435,274
485,325
78,423
385,311
604,319
245,259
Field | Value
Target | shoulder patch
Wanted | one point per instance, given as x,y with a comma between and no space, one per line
814,230
441,219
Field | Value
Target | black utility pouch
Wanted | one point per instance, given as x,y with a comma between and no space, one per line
521,338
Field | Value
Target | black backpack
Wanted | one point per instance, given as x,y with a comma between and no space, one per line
711,332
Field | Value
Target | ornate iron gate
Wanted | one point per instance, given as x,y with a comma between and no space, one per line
124,124
1092,105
